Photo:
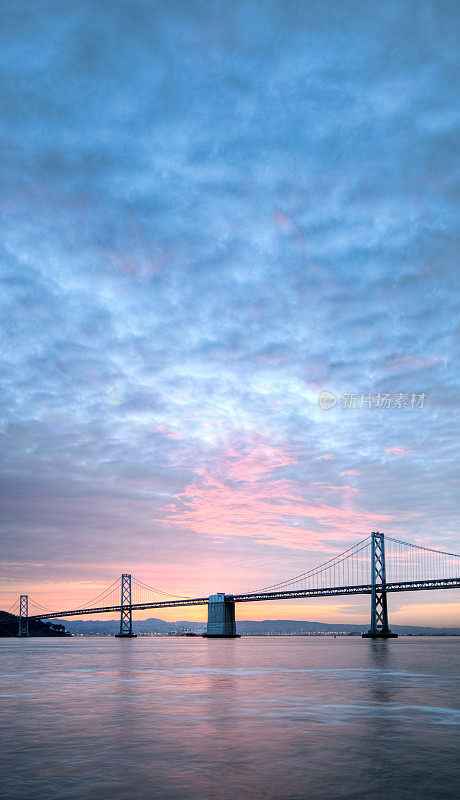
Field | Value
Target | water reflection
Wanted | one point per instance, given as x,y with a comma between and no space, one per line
381,680
188,719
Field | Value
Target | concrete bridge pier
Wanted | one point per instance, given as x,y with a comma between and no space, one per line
221,617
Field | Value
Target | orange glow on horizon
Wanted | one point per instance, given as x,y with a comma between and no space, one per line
243,498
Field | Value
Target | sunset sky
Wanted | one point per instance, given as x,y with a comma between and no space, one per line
211,212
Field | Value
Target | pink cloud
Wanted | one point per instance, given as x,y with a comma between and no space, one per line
351,472
282,219
167,432
325,457
402,452
407,362
242,495
345,490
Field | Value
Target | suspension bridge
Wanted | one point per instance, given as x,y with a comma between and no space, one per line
375,566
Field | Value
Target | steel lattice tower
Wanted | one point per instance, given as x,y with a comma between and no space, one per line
126,614
23,615
379,613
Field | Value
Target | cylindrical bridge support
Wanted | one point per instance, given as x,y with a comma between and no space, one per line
221,617
126,614
379,613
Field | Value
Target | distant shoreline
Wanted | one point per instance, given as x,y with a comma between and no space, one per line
154,627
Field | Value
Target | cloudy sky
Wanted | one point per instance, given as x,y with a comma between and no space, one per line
212,212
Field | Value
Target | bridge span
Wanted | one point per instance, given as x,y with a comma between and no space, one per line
411,568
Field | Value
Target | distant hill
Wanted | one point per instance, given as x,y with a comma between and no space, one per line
89,627
9,625
279,627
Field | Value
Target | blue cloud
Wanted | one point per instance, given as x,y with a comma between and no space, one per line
211,212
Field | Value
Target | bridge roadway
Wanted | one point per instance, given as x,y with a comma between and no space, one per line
336,591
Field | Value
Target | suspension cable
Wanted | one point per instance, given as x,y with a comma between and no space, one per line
143,585
103,594
38,605
420,547
341,557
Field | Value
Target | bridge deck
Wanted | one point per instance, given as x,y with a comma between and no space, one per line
251,597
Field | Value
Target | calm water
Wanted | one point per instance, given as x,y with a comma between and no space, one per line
278,719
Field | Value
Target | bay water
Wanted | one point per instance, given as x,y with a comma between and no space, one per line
272,718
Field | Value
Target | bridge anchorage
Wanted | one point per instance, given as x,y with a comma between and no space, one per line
379,613
126,611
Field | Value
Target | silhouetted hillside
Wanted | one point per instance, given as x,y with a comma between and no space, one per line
9,625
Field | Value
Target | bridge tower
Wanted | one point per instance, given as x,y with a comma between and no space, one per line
126,614
23,615
221,617
379,613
